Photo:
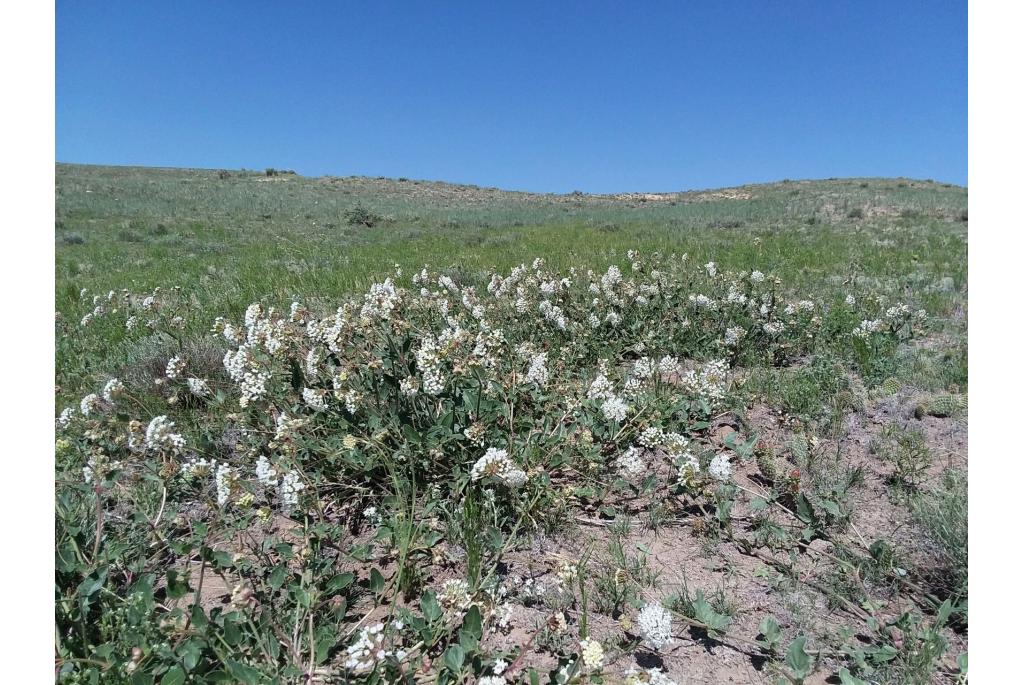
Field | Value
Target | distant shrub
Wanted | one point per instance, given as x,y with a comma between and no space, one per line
963,216
812,221
73,239
128,236
361,216
864,184
402,179
160,229
855,213
223,174
910,214
271,171
725,223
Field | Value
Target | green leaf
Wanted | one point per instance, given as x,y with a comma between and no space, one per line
189,653
846,678
246,674
430,608
770,629
175,676
473,623
454,657
276,579
339,582
410,434
798,660
716,623
176,587
376,580
832,507
804,509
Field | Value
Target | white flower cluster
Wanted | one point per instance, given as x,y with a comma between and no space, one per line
454,596
160,435
89,404
538,371
689,468
368,648
733,335
615,409
198,387
631,462
655,625
265,473
65,418
291,486
244,371
195,468
380,302
721,468
496,463
707,382
867,327
592,653
428,361
112,390
224,480
314,399
175,365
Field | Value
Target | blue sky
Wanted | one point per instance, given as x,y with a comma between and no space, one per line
542,96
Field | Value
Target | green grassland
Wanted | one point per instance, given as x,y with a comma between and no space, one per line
232,238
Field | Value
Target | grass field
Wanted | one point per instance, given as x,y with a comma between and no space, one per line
453,505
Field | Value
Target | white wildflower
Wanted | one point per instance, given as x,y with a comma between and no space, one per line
291,486
198,387
615,409
89,404
592,653
224,480
655,625
538,371
175,365
112,390
721,468
160,434
265,473
631,462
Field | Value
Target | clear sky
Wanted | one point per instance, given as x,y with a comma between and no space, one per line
543,96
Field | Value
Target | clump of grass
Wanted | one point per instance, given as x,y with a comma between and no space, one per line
908,452
941,514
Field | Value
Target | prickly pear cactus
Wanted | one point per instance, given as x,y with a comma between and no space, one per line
946,405
890,386
798,448
767,464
